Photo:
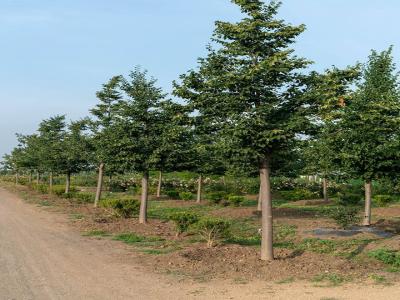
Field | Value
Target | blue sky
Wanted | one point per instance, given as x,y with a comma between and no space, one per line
55,54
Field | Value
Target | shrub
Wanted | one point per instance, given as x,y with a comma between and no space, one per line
383,200
183,220
186,196
173,194
236,200
349,199
126,208
117,186
42,188
212,229
59,190
345,216
216,197
84,197
298,195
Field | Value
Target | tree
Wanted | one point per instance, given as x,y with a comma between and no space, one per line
138,129
329,92
75,151
251,86
369,128
49,145
174,149
104,113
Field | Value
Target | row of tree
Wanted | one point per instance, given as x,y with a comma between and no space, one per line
249,107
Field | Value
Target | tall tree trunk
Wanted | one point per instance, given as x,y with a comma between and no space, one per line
368,202
159,184
267,251
51,182
37,177
99,184
30,177
325,189
68,183
143,202
16,178
259,206
199,188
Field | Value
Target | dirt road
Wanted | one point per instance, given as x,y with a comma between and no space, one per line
42,257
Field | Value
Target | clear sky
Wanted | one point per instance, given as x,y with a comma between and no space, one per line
55,54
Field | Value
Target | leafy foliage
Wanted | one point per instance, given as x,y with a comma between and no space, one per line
126,208
345,216
212,229
183,220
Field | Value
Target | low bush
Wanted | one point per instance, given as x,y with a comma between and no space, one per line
173,194
212,229
383,200
216,197
236,200
59,190
349,199
186,196
42,188
345,216
125,208
183,220
84,197
298,195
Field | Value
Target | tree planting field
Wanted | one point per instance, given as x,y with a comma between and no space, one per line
310,242
255,168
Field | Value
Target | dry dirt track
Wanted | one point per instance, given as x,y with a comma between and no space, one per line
41,257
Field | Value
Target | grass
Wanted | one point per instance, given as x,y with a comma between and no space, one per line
329,280
149,245
160,210
388,257
286,280
379,279
44,203
343,248
77,216
96,233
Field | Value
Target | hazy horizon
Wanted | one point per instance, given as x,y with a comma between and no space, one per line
57,54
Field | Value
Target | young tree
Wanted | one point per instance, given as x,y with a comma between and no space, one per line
138,129
329,92
76,147
175,145
369,128
49,145
104,113
251,86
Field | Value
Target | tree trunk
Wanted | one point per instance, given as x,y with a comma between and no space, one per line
143,202
267,251
68,183
325,189
30,177
99,184
37,177
199,187
16,178
159,184
259,206
368,200
51,182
